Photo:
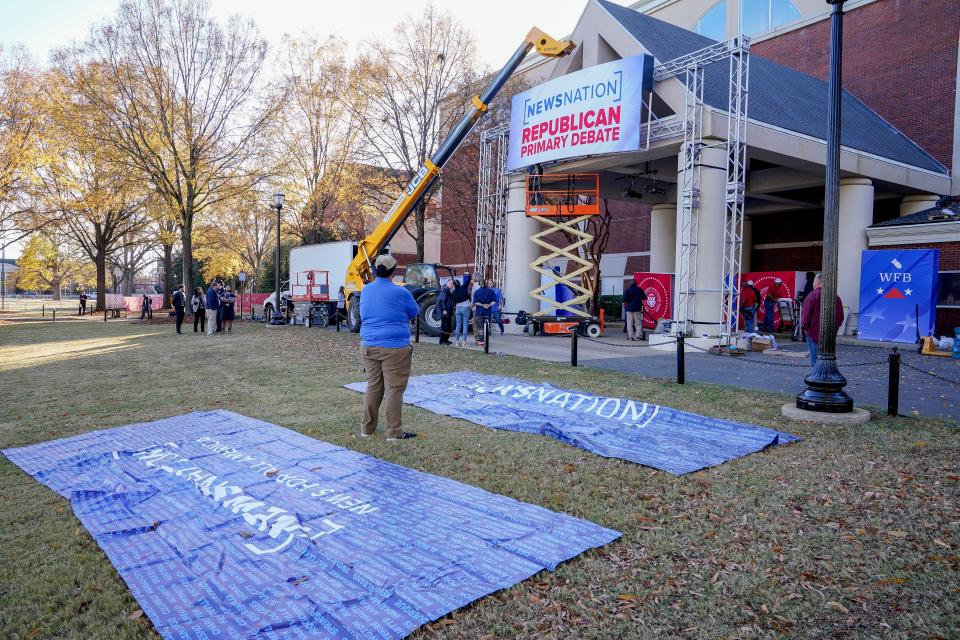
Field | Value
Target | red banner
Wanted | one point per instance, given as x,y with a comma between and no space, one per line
659,290
764,281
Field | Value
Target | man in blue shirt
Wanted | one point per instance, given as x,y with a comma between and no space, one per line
497,307
212,305
385,350
483,300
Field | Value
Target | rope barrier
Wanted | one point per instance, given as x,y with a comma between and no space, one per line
955,383
632,346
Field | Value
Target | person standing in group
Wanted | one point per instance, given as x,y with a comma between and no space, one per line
497,308
146,307
179,303
483,301
633,300
220,308
461,313
811,318
445,307
341,306
386,354
227,302
83,303
749,299
199,313
212,305
798,306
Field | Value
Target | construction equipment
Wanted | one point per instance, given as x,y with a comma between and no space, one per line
562,204
360,271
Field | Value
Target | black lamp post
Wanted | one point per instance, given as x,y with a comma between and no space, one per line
825,383
277,318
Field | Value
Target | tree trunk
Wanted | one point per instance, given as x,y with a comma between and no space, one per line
55,288
168,277
186,239
101,263
419,231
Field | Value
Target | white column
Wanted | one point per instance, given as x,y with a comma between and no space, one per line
916,204
663,238
746,262
713,180
856,214
519,278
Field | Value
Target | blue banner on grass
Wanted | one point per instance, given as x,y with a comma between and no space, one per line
228,527
648,434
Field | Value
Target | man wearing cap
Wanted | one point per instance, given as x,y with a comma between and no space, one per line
749,299
385,350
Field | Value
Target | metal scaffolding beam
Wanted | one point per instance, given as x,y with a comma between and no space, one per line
492,192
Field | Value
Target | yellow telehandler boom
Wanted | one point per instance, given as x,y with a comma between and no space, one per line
360,270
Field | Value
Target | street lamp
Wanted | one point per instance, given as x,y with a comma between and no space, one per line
825,383
277,318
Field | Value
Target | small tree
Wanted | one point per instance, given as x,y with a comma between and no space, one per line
49,263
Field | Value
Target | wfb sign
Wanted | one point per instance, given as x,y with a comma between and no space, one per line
897,294
596,110
228,527
641,432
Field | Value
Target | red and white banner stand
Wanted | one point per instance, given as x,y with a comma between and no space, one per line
792,282
659,290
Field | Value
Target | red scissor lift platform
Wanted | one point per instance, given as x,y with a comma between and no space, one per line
310,295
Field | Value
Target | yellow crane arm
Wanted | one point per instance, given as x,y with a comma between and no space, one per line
360,270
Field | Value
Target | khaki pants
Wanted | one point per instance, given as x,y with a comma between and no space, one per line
634,324
387,370
211,322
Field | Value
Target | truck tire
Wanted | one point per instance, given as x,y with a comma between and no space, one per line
428,325
353,313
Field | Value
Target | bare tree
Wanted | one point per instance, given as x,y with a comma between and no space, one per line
411,89
178,92
314,139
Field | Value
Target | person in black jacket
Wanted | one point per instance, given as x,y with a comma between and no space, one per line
179,302
199,312
450,295
633,299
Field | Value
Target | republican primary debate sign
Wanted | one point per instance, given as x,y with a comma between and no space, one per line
897,291
596,110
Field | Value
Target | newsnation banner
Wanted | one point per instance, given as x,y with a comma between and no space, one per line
596,110
897,294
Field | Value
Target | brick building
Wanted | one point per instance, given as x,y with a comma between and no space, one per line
901,147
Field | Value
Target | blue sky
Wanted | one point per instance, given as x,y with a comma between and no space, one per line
45,24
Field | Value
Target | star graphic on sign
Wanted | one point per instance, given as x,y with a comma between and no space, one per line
906,323
874,316
879,292
908,291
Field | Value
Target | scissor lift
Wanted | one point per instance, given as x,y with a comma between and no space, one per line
563,203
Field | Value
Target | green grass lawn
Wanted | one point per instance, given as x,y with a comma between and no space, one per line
851,533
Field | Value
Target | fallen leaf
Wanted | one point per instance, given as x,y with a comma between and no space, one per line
135,615
836,606
897,534
709,533
941,543
627,596
271,473
245,534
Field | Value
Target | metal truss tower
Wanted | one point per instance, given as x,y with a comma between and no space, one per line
691,69
492,190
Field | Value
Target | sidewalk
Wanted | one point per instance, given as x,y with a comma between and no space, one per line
780,372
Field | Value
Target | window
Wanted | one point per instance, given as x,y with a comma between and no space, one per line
421,275
948,289
757,16
713,23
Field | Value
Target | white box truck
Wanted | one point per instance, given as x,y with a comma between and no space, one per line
317,271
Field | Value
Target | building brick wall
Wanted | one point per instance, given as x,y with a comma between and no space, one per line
900,58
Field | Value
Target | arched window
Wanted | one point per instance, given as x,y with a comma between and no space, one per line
713,23
757,16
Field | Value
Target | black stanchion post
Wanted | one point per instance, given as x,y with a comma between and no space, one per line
681,374
43,310
104,315
54,316
893,385
573,348
416,323
486,336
